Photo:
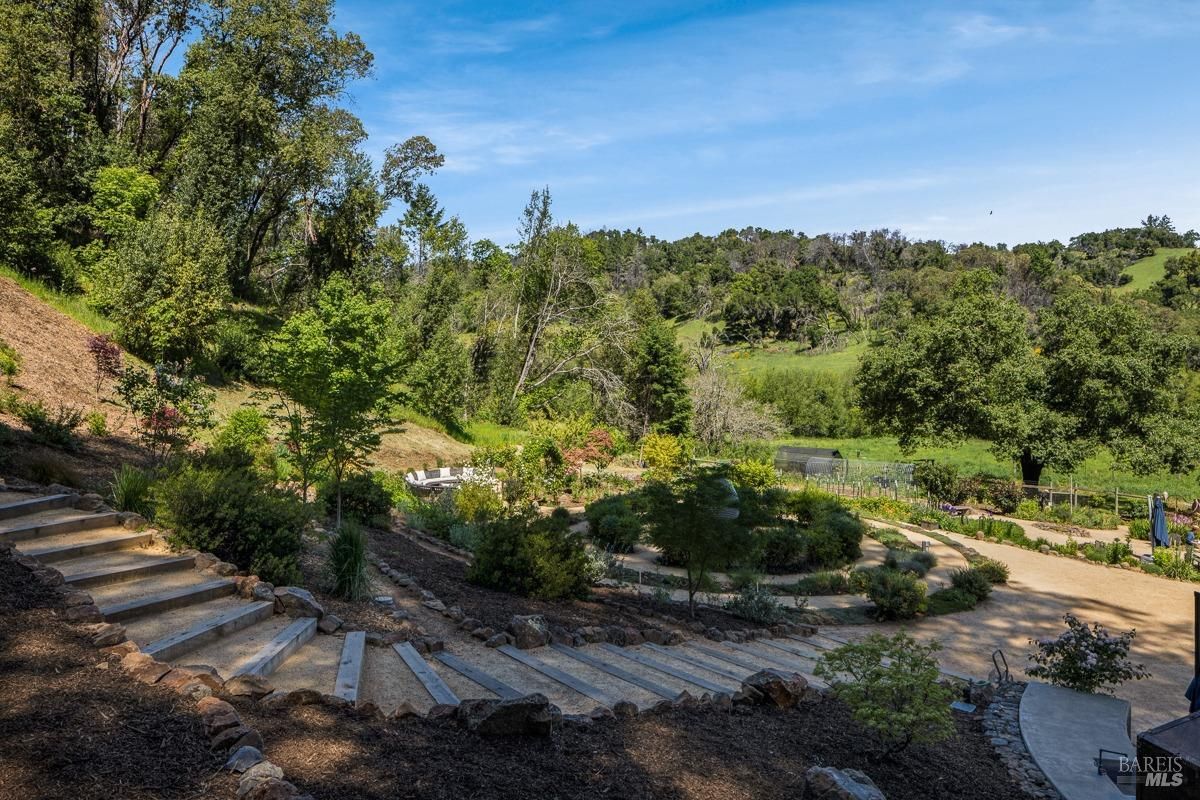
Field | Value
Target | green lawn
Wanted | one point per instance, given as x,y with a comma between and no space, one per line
974,456
748,360
1151,269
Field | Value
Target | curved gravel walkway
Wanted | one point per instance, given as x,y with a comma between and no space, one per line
1041,589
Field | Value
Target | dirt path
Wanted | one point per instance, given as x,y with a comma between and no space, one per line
1042,588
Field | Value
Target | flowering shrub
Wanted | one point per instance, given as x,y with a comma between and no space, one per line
168,403
1087,659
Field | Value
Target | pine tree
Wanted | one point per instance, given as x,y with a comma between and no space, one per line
657,380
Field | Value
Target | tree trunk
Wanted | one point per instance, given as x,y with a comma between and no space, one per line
1031,471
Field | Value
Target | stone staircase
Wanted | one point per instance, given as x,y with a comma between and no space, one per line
189,617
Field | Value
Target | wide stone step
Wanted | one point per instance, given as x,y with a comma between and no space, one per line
723,670
171,647
23,529
313,666
566,678
134,570
433,683
282,645
478,676
387,682
168,600
124,541
514,674
606,666
32,505
152,627
658,664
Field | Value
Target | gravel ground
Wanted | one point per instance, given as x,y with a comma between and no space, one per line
1044,587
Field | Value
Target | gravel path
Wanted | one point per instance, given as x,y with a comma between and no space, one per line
1042,588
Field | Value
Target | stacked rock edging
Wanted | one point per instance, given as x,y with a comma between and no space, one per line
1002,725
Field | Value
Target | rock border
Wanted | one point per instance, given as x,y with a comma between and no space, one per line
518,631
1002,726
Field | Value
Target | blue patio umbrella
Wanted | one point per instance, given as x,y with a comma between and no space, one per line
1158,524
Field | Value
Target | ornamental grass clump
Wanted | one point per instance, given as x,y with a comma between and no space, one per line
1085,658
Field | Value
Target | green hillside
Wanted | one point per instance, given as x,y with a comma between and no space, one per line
1151,269
748,360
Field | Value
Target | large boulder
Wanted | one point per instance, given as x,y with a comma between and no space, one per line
827,783
774,688
531,715
529,632
297,602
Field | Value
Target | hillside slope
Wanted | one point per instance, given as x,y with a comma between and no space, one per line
56,368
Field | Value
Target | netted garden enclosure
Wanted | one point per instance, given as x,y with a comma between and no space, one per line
855,476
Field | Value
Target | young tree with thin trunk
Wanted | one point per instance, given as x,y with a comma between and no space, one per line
333,365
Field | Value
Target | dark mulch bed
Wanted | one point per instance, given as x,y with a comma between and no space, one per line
446,577
698,754
71,730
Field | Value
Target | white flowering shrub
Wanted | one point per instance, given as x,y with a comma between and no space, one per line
1085,658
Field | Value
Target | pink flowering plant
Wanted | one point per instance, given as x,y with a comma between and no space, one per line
1085,658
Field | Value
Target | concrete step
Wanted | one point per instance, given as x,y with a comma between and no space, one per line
313,666
698,682
138,565
429,678
477,676
351,662
116,541
229,652
167,600
778,660
280,647
72,538
209,630
632,681
387,682
722,655
514,674
31,505
49,523
152,627
568,678
113,593
718,670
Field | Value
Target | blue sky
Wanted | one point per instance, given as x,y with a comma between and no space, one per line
679,117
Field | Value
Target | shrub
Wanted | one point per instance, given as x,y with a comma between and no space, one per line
784,549
107,359
436,517
55,428
971,580
365,499
1086,659
755,475
97,424
1096,518
235,513
10,361
822,583
533,556
246,430
169,404
464,535
613,523
237,349
951,601
892,539
1174,565
757,604
995,571
130,490
1139,528
924,557
939,481
1028,509
477,502
347,563
1005,496
892,685
51,468
896,595
665,455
